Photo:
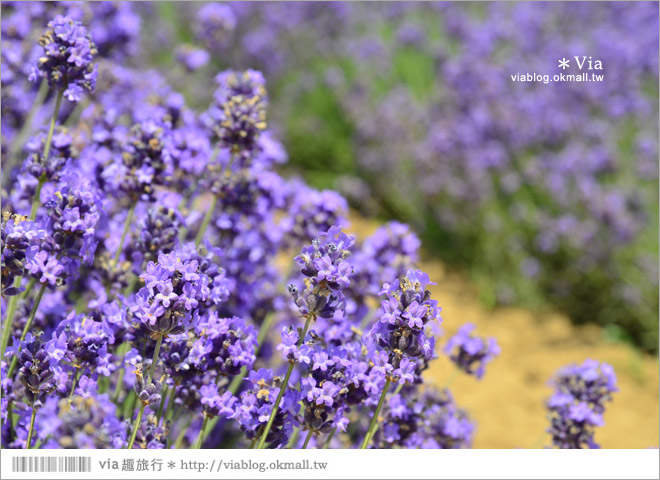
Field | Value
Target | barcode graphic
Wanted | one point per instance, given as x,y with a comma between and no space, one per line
51,464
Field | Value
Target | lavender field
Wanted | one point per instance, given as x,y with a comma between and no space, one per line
329,225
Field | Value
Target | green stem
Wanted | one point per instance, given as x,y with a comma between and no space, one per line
74,382
36,200
398,388
206,221
136,425
170,404
296,431
374,419
330,437
123,348
9,320
155,358
283,388
131,285
33,312
127,226
26,329
276,406
128,405
28,289
31,431
307,439
162,404
182,435
10,419
19,140
13,302
202,432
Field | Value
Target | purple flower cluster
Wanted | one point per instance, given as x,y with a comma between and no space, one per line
20,238
35,371
578,404
400,336
225,345
145,162
159,261
67,60
215,23
326,274
73,212
433,421
174,291
238,113
256,403
559,174
471,353
60,153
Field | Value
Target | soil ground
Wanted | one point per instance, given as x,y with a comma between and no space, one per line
508,403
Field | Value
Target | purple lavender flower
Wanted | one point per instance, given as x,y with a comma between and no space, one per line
86,343
471,353
157,233
327,274
255,406
400,333
73,213
224,346
146,161
191,58
20,238
215,404
67,59
35,370
147,392
238,114
312,212
578,404
152,433
215,22
60,156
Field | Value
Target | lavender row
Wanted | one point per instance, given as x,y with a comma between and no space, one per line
163,286
413,109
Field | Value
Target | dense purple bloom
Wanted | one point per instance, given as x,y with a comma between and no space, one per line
238,113
152,433
191,58
312,212
471,353
224,346
67,60
20,238
578,403
145,162
215,23
255,406
35,370
61,153
157,233
173,291
215,404
86,343
432,421
326,274
400,333
73,213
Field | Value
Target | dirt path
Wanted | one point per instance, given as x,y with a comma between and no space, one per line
508,404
